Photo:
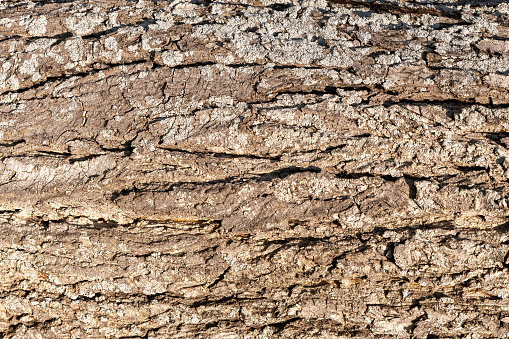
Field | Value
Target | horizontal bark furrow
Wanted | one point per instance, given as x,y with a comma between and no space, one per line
254,169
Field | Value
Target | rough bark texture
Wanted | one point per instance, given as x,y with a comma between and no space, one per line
254,169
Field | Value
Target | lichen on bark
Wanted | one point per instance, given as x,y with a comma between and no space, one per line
254,169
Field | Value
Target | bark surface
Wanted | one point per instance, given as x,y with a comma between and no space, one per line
254,169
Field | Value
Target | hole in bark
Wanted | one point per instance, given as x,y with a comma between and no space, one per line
45,224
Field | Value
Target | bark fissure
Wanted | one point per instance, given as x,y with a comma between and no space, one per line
226,170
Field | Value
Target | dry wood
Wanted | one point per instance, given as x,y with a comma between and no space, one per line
254,169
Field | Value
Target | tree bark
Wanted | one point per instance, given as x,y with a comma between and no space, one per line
254,169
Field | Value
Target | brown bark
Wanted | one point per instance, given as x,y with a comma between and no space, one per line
306,169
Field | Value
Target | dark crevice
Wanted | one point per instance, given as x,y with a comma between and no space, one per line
11,37
227,299
346,175
48,80
53,154
84,158
390,178
284,172
220,155
59,38
102,33
498,138
330,90
127,149
219,278
410,180
472,169
123,192
388,7
280,7
389,252
167,187
445,224
211,63
279,327
412,190
333,148
452,103
448,102
13,143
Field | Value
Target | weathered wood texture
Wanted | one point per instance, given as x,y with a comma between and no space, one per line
254,169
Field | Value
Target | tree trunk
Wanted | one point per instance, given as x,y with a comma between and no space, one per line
252,169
